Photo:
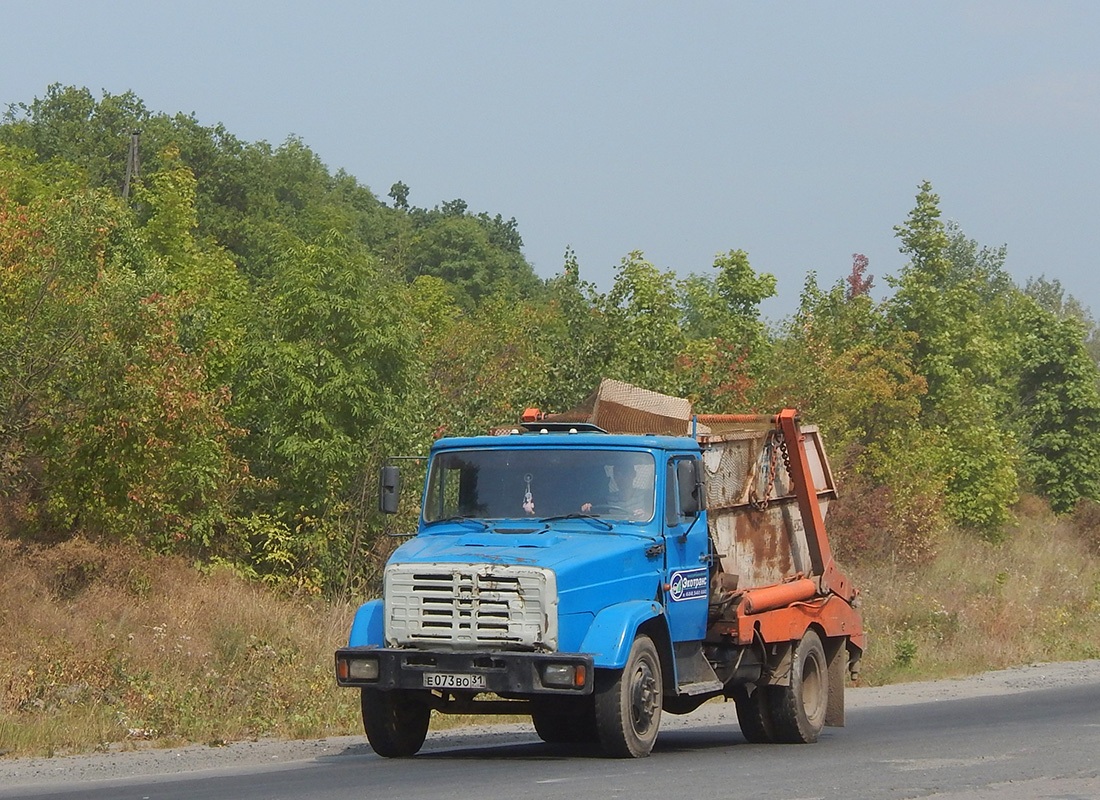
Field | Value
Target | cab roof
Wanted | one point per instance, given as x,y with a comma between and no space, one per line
545,438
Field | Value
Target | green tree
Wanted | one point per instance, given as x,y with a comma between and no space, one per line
575,338
1059,406
642,311
484,368
850,369
323,369
110,426
44,286
70,125
140,446
399,193
726,341
961,350
461,250
1052,296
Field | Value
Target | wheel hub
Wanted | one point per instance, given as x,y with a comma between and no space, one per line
645,699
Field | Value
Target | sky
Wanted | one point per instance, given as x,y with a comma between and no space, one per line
797,131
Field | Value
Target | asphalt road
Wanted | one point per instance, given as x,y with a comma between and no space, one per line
1034,743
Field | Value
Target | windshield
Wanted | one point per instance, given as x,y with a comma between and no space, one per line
528,483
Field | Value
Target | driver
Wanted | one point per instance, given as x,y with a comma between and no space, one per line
629,490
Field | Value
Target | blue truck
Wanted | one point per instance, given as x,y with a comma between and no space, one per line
595,579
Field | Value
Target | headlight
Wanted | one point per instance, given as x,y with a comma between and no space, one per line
565,675
357,669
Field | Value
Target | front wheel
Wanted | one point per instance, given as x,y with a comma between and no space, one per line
396,722
798,710
628,703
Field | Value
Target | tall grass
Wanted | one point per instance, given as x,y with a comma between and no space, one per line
107,647
977,606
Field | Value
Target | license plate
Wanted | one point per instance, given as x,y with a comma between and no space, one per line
452,680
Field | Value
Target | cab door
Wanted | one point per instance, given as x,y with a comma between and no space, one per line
687,567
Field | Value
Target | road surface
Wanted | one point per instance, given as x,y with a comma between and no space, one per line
1032,732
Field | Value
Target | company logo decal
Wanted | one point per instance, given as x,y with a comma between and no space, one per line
689,584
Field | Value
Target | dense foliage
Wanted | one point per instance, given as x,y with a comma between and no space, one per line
214,357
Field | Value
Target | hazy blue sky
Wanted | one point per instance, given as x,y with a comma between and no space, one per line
796,131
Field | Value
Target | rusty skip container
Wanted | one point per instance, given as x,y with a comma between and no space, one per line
755,522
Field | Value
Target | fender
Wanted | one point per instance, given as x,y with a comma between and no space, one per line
611,634
368,627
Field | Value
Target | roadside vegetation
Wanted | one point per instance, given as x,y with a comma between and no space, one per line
203,363
107,647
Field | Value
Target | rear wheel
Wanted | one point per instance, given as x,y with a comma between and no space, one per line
396,722
798,710
628,703
754,714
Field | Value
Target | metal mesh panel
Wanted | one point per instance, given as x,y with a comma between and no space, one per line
620,407
744,466
730,470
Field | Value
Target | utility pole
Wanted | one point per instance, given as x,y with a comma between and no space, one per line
133,163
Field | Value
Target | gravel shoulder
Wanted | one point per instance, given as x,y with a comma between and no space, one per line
39,772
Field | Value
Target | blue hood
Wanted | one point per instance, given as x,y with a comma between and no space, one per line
550,547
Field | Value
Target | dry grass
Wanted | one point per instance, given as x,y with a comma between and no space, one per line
107,647
979,606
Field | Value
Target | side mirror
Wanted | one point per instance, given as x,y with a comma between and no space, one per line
389,490
690,482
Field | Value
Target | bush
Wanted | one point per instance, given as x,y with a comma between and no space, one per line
1085,521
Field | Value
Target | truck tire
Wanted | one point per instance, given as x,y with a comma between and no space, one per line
395,722
798,710
754,714
628,703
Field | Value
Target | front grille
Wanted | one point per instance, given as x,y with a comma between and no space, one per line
471,605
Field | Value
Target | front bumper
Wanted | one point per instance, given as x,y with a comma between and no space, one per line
503,673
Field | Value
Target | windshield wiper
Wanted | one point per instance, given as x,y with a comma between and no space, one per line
580,515
463,518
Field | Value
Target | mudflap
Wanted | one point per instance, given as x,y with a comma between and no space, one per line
836,654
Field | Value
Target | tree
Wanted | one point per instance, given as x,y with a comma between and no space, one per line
399,193
44,286
642,312
850,369
1051,296
323,368
1059,404
483,368
69,124
726,341
110,426
858,285
459,249
575,338
962,348
140,447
